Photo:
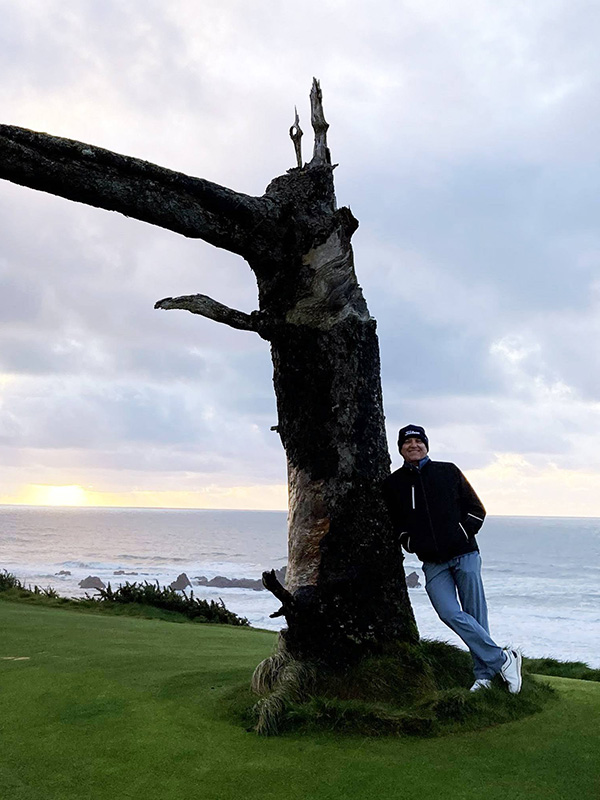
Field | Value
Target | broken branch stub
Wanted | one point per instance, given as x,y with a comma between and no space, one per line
207,307
321,153
296,133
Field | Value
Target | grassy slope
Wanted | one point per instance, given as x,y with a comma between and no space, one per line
117,707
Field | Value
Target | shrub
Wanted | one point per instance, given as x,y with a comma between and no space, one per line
131,597
9,581
150,594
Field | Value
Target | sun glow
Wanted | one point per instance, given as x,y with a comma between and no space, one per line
46,495
258,498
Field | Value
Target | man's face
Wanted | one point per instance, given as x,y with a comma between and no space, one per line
413,450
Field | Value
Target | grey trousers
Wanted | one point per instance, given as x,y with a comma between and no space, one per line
460,580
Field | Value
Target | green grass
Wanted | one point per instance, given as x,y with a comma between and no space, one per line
109,707
561,669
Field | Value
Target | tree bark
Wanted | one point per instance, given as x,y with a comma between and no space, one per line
346,594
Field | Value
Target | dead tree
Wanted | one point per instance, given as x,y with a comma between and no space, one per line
346,594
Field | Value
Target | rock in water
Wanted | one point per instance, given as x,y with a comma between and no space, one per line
181,583
236,583
221,582
92,582
412,580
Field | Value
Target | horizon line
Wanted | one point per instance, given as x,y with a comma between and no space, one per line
248,510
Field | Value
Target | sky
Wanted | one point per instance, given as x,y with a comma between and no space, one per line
468,141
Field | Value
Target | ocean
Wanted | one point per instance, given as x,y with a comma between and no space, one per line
541,574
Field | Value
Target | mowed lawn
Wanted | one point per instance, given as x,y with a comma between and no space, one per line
116,707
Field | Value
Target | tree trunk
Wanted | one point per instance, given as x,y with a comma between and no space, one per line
346,594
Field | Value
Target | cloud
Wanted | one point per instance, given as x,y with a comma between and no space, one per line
513,485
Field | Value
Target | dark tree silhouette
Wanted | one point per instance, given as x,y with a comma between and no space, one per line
346,593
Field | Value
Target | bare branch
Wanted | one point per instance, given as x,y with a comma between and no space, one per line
296,137
321,153
193,207
272,583
212,309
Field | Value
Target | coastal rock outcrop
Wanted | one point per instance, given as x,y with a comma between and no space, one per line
221,582
412,580
182,582
92,582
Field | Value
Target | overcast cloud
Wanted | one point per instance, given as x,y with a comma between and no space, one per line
468,142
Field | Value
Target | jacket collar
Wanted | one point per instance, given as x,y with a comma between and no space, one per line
417,467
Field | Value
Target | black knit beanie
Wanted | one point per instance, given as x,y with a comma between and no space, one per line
415,431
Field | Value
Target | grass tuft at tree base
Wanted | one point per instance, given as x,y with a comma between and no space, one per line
411,690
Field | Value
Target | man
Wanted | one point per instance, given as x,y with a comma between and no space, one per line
436,514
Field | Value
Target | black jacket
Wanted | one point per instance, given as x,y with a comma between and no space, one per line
434,510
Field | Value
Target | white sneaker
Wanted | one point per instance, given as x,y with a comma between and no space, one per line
480,683
511,670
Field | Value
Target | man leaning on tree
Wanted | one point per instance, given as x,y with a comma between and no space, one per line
436,514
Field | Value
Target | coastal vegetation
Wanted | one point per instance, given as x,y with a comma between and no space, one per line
133,599
107,706
563,669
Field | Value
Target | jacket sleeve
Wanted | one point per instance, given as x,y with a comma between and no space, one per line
472,512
